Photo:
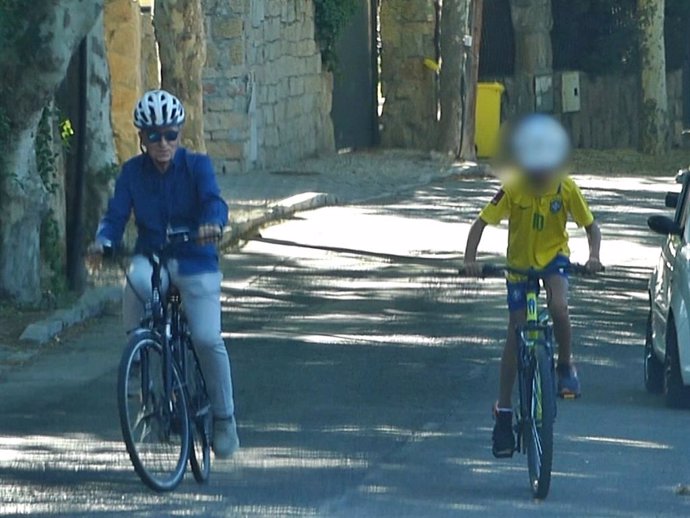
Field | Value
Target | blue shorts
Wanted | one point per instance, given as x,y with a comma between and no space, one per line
517,291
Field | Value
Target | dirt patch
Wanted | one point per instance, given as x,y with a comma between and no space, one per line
13,321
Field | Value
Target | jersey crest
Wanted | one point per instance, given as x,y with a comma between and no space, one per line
556,205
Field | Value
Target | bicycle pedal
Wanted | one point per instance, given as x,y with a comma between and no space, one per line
568,395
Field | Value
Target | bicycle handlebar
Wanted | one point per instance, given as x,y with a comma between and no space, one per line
494,270
174,236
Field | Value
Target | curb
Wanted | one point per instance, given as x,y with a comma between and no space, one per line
282,209
94,301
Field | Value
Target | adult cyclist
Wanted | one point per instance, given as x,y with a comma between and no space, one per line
167,186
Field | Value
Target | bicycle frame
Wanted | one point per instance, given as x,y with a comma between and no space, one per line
537,332
165,317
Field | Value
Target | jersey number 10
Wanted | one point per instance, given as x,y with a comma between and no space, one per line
538,222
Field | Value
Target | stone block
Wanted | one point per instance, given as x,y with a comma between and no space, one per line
293,109
225,150
224,120
239,133
228,166
211,55
272,29
292,12
272,94
307,47
236,53
227,27
268,114
217,103
271,137
209,87
273,8
316,64
296,86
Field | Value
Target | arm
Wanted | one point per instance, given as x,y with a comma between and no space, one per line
473,239
112,225
214,209
594,239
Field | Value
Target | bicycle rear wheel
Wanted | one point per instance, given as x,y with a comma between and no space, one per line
200,419
155,429
539,427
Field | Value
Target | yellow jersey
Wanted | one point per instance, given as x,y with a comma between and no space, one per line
537,222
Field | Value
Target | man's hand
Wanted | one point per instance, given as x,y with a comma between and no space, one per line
594,265
473,269
209,233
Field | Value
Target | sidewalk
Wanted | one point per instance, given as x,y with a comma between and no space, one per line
260,197
336,179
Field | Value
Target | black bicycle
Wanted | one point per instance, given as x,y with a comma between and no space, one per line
165,413
536,412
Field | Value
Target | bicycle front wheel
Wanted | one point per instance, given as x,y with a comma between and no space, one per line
155,427
539,428
201,419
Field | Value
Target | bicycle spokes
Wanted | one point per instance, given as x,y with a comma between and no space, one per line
155,422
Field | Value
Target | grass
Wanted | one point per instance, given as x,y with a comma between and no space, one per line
628,162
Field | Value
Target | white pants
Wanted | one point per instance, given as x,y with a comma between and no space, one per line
201,299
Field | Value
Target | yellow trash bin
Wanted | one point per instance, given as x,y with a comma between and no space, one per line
488,124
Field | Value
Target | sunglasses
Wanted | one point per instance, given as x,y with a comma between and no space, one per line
156,136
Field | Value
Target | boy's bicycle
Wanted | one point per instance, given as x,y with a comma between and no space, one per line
165,413
536,411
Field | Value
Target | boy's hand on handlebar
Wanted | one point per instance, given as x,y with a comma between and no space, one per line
473,269
209,233
594,265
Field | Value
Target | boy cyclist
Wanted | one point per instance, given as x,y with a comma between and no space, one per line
537,205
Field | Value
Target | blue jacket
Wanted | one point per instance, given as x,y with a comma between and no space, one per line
187,195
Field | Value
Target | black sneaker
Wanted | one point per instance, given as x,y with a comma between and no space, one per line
503,436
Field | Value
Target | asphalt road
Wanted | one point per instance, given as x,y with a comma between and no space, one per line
365,370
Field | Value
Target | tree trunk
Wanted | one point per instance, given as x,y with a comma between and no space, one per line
100,157
532,22
179,26
654,114
469,149
454,15
32,68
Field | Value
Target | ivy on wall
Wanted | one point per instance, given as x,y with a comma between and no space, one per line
47,152
330,18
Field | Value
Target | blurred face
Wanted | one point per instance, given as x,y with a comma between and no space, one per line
161,144
540,148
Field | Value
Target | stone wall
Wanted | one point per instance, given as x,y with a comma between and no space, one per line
267,100
409,87
610,110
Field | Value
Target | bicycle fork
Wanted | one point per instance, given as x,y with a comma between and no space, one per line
529,380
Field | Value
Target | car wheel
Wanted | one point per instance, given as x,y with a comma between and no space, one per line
676,394
653,367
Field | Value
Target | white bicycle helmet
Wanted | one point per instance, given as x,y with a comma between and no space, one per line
157,109
539,144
